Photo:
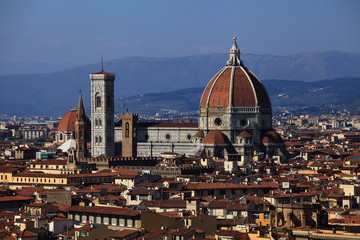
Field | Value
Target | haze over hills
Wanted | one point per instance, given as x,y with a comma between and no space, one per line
317,97
56,93
7,68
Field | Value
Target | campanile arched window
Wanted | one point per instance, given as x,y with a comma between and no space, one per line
97,100
127,130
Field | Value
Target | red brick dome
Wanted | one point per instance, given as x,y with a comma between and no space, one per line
67,122
235,86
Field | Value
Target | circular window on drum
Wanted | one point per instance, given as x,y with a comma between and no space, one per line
188,137
167,136
218,121
244,123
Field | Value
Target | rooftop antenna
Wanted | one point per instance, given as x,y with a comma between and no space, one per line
102,63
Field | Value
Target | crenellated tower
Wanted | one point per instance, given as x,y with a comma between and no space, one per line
129,137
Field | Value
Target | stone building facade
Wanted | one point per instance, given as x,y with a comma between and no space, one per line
102,114
235,118
300,214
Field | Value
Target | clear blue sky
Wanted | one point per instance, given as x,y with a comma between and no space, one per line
78,31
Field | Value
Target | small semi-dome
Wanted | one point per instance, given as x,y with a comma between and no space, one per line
199,134
215,137
272,137
235,86
67,122
244,134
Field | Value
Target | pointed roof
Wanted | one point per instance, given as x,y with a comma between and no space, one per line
67,145
80,111
199,134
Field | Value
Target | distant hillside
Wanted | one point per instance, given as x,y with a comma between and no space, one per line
56,93
7,68
312,97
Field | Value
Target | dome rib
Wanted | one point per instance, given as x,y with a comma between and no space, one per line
263,98
220,91
231,97
204,102
252,85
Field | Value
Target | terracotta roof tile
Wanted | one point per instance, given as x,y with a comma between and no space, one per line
244,133
67,122
215,137
105,210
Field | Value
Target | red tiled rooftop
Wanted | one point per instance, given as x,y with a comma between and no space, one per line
105,210
15,198
244,133
123,233
215,137
171,203
67,122
51,162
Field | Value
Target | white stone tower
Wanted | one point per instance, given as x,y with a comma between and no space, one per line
102,114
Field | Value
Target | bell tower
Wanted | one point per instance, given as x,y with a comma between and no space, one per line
102,113
81,135
129,138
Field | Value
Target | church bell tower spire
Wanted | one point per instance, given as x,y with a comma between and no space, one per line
80,131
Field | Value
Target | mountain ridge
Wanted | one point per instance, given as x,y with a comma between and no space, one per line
317,97
55,93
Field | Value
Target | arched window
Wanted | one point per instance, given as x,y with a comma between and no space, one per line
100,139
96,139
97,100
99,122
61,137
127,130
96,122
108,101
